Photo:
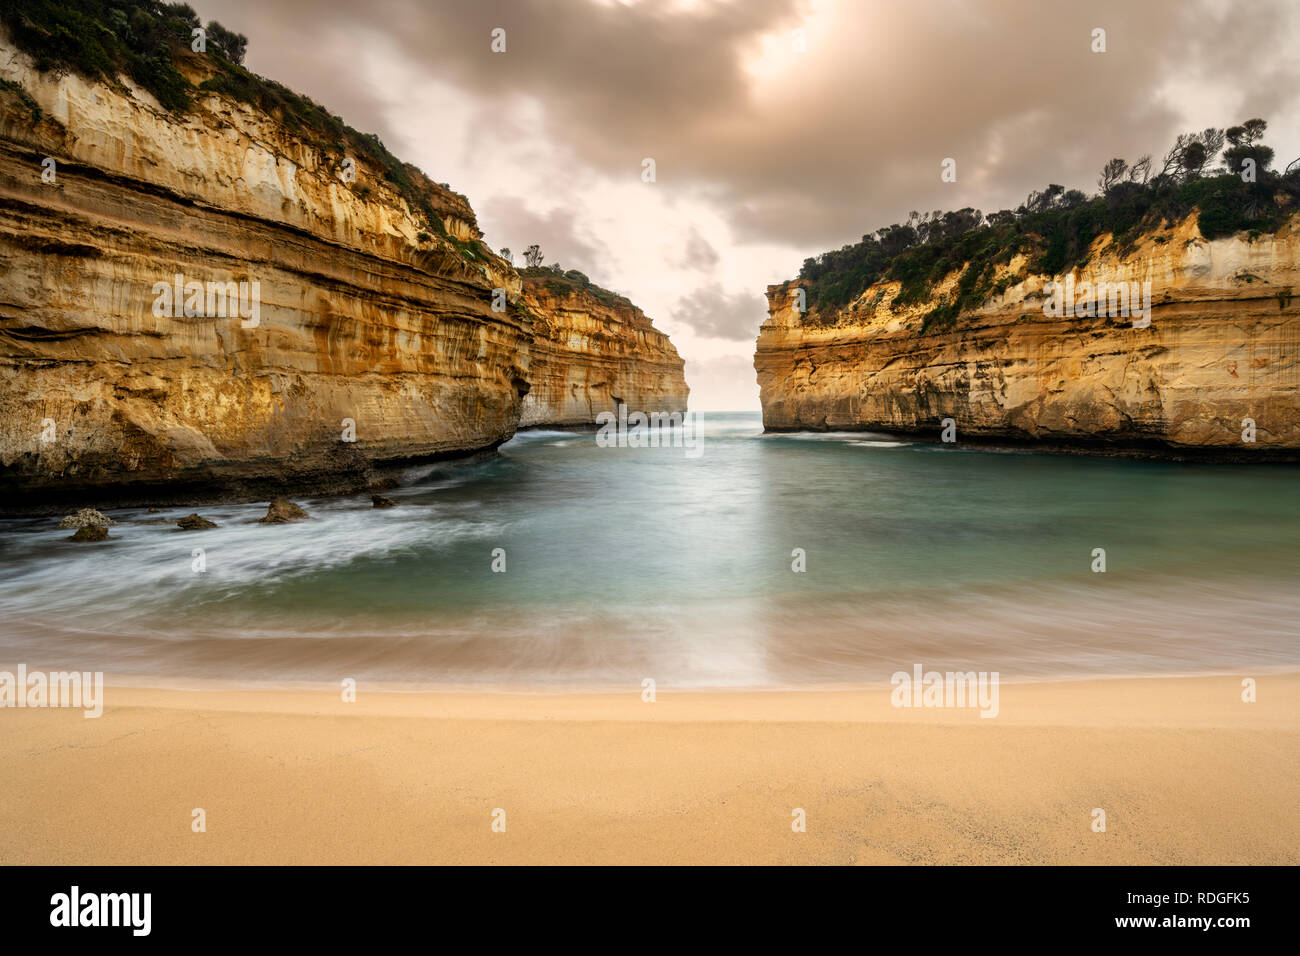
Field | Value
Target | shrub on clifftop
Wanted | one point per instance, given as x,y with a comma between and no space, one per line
1055,227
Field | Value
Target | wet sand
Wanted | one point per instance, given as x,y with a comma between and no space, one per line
1186,772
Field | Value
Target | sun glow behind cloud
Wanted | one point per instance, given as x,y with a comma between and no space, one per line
779,56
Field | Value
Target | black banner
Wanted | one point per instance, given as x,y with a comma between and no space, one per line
333,905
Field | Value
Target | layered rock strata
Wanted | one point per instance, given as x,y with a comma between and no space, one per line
591,351
1217,365
335,331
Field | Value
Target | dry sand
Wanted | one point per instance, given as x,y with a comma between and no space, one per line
1186,772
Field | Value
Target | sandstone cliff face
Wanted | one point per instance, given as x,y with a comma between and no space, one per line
591,352
364,315
1222,346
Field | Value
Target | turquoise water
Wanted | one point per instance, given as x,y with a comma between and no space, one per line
625,563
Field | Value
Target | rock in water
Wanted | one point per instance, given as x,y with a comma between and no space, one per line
90,532
381,502
282,511
193,522
86,518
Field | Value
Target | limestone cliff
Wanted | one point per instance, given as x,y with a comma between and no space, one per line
592,350
1223,345
375,317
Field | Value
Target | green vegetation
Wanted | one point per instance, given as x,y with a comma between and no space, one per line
144,39
100,38
475,249
1054,227
561,282
23,96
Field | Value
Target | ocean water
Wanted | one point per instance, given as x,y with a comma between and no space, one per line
627,563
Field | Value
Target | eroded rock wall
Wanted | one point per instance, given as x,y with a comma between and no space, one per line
592,350
365,316
1221,347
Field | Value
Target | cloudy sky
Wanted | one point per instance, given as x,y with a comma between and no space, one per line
770,145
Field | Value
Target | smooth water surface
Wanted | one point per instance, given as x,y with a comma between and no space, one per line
626,563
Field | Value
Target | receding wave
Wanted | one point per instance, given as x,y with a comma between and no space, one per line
780,560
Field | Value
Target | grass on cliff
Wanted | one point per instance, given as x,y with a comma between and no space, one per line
1055,228
142,39
23,97
98,38
560,282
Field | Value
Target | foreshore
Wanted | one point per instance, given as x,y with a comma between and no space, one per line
1185,771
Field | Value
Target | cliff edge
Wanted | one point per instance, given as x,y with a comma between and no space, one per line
230,298
1203,362
591,351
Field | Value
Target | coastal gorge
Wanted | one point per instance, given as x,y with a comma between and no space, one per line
214,288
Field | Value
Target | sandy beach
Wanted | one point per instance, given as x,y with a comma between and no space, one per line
1186,772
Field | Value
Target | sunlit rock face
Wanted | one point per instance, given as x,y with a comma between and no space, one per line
1217,361
367,328
592,350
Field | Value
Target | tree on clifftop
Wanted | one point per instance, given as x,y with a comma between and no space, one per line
1054,228
229,44
1245,144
